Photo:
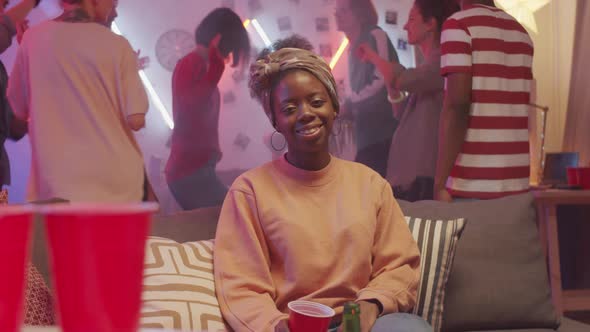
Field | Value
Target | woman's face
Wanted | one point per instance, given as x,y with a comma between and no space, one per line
345,16
303,112
416,27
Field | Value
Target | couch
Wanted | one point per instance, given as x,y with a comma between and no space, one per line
498,281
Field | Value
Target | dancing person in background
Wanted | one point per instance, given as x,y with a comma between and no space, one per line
374,122
78,84
11,127
309,225
487,61
194,150
412,157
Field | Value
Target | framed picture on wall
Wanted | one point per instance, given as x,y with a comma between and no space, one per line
241,141
391,17
229,97
326,51
228,4
402,44
254,6
322,24
284,23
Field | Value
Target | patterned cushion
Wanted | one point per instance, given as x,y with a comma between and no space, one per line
38,301
179,291
437,240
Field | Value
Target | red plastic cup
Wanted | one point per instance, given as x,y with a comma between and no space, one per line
572,176
584,177
307,316
15,238
97,255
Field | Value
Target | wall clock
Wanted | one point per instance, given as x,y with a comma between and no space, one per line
172,45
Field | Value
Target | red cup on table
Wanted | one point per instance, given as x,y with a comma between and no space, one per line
572,176
307,316
15,239
584,177
97,255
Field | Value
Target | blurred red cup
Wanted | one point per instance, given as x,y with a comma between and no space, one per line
15,238
97,255
307,316
584,177
572,176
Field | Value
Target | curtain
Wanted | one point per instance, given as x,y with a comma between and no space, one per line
577,134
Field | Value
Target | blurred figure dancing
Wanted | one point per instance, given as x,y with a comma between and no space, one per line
77,83
368,99
413,153
195,151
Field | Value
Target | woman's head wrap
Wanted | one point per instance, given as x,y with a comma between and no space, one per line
266,72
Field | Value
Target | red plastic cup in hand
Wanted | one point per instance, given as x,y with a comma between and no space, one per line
307,316
97,256
15,238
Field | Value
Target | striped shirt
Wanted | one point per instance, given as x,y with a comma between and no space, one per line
498,52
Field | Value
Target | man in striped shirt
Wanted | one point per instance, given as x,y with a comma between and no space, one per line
487,64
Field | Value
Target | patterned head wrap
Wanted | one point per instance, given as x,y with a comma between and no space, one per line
265,72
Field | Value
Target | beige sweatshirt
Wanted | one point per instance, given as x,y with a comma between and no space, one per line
329,236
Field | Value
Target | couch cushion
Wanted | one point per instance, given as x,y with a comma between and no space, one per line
499,277
193,225
437,241
179,291
567,325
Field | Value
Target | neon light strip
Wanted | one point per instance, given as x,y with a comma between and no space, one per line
338,54
246,23
261,32
150,88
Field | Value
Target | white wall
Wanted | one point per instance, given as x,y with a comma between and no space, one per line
143,21
552,64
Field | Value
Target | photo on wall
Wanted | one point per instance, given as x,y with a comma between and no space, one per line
229,97
254,6
402,44
241,141
228,4
326,51
284,23
391,17
322,24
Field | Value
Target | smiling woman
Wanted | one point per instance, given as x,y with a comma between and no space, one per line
285,226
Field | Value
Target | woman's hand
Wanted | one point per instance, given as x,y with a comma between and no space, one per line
443,195
282,326
214,48
21,27
369,314
366,53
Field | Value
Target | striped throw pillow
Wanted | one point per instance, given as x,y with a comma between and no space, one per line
437,241
179,291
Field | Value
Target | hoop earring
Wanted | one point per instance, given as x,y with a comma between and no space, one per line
272,142
334,126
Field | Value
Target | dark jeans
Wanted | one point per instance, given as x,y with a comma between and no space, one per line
419,190
375,156
200,189
398,322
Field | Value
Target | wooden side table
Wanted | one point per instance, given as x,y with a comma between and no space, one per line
547,202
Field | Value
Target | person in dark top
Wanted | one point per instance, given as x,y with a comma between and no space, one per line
194,148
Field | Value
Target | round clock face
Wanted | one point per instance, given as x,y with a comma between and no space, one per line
172,46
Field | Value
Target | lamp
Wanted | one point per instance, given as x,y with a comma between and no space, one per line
523,10
544,110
